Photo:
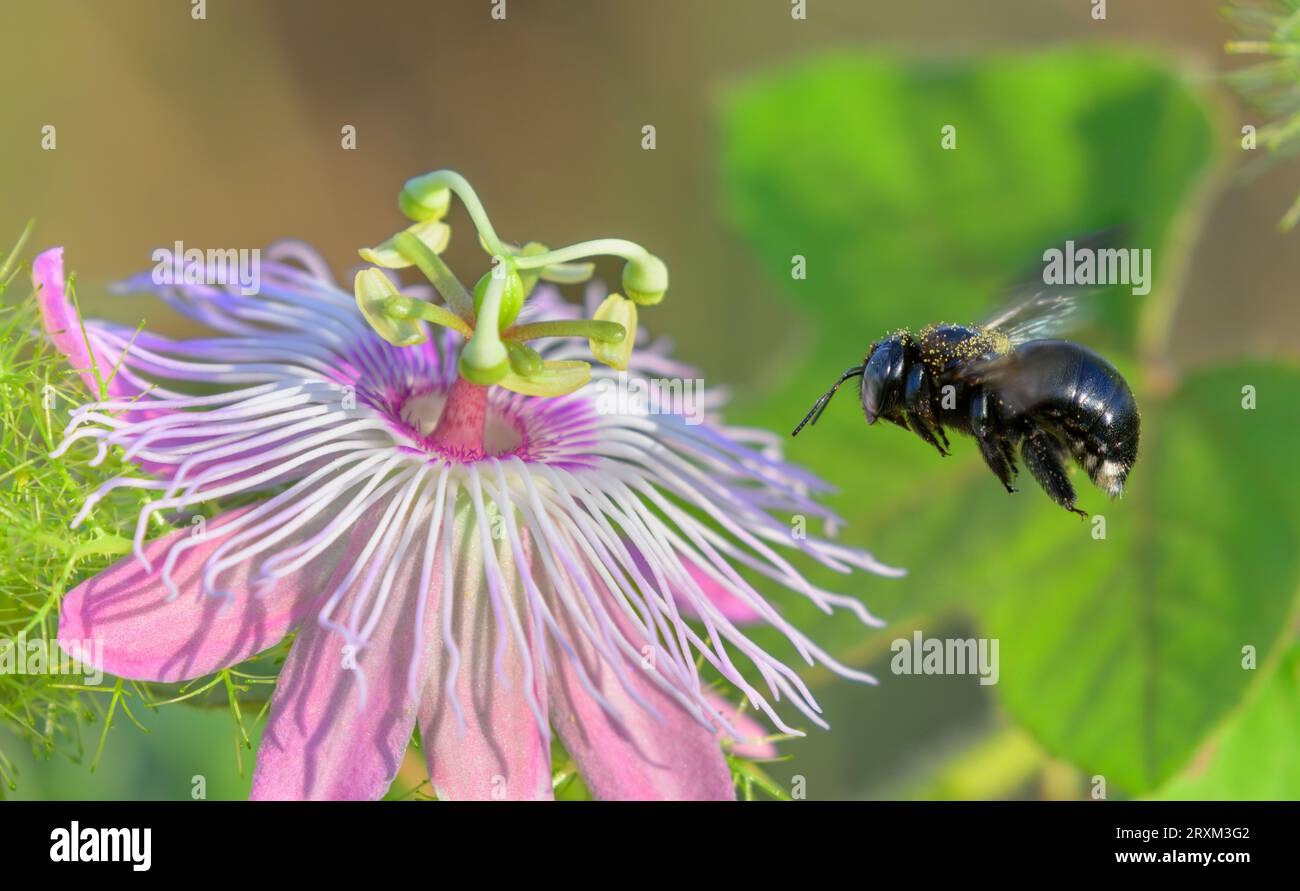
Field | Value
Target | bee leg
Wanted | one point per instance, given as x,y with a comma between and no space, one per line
916,399
921,429
991,449
991,443
1043,456
1009,452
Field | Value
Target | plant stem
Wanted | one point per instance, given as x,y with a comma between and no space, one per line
463,419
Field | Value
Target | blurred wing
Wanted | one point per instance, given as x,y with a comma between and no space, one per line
1045,313
1017,380
1035,310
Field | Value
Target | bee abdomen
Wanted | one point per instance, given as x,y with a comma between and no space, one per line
1062,385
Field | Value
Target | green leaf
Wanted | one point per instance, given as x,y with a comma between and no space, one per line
1254,755
841,162
1122,653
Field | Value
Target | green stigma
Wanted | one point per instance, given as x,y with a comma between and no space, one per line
495,352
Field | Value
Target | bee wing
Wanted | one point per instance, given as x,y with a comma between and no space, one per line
1045,313
1035,310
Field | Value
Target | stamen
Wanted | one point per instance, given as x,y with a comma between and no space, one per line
607,332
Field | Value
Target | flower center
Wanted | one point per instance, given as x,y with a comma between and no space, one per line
457,423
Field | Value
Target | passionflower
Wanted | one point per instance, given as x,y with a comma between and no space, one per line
459,531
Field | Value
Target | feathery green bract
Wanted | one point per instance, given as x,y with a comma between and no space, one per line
42,557
1271,28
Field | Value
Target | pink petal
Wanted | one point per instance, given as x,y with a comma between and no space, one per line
500,753
736,610
64,329
145,636
341,718
637,758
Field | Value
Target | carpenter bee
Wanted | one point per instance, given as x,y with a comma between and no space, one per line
1011,388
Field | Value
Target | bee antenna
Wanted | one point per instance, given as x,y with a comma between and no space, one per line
820,405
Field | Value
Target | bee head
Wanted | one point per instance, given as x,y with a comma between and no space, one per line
882,377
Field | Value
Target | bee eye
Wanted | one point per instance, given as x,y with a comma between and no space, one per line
882,379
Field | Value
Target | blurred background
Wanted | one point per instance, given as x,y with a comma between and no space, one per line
778,137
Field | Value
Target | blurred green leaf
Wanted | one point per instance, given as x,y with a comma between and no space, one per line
1254,756
841,161
1122,653
994,767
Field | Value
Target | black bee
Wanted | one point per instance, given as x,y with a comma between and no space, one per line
1004,385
